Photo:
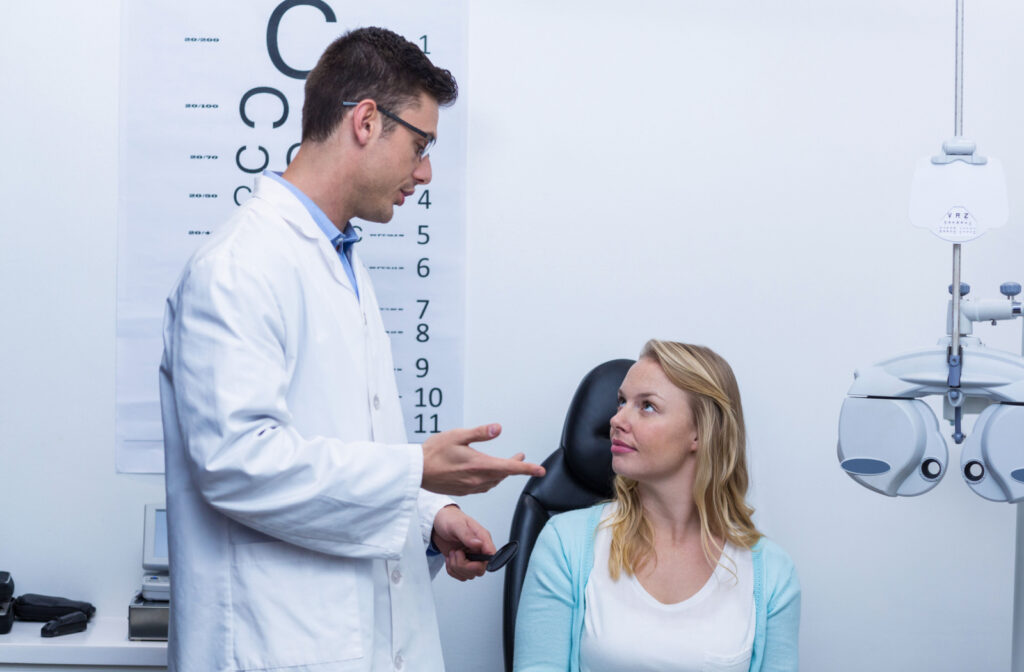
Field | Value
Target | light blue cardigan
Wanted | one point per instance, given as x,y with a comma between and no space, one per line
549,622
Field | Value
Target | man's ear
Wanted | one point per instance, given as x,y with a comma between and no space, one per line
365,121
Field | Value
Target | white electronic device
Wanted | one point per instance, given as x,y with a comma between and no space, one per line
889,440
154,546
156,585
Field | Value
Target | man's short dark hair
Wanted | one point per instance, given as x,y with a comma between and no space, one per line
370,63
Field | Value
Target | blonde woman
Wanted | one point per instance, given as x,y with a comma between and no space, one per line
671,575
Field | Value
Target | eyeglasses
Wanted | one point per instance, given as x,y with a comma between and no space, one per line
430,138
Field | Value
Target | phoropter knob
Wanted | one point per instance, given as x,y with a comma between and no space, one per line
965,289
1009,289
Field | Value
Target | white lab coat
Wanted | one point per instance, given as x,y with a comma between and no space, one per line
291,489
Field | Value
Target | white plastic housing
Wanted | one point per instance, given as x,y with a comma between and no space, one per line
989,373
997,443
892,446
978,311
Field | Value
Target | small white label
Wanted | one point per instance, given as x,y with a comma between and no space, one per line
958,224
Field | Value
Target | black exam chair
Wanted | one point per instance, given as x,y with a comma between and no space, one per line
579,474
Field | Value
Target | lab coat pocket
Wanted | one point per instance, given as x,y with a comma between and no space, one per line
739,662
291,606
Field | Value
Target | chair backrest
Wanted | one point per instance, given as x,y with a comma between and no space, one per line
579,474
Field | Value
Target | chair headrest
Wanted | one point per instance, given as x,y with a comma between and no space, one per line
585,438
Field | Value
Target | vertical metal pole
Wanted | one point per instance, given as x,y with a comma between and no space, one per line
1017,633
956,301
958,112
958,129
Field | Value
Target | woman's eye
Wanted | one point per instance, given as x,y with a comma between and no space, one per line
647,407
622,402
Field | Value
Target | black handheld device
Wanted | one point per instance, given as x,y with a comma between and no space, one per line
6,586
67,624
500,557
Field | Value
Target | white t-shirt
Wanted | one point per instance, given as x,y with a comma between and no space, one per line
625,628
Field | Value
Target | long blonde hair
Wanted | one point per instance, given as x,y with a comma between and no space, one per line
720,484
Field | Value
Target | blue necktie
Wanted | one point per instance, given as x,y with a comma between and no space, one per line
343,243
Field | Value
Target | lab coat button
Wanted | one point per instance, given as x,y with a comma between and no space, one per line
396,576
399,661
376,403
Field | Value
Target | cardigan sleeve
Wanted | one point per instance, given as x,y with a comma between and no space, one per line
782,629
544,621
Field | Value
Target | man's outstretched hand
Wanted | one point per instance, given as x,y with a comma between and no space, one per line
452,467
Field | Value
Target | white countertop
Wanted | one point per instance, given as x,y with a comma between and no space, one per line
104,642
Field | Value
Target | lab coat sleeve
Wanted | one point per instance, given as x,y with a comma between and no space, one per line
224,347
781,650
429,504
544,621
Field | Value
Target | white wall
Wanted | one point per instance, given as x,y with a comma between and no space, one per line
729,172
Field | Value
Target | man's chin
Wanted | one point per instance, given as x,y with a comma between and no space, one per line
379,217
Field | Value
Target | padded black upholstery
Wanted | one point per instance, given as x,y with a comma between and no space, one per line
579,474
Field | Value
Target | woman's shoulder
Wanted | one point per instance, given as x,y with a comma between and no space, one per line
577,523
771,552
769,549
778,565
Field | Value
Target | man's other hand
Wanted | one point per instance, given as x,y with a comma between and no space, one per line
452,467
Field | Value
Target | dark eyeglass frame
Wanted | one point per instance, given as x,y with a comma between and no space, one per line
429,137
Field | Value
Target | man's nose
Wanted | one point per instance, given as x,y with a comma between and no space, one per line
423,171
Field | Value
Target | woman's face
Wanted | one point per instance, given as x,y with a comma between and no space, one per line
654,437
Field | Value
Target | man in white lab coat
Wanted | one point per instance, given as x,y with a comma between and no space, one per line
299,516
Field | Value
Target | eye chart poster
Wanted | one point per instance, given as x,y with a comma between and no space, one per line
211,95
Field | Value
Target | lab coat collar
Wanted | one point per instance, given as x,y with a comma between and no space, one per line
295,213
